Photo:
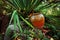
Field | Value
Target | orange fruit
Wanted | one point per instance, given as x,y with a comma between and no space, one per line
37,20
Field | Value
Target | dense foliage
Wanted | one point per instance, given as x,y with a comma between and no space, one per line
19,11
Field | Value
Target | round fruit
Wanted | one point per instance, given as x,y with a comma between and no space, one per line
37,20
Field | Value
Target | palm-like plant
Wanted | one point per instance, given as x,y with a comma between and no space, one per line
22,8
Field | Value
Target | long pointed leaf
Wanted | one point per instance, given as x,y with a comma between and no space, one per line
19,24
15,23
16,3
12,16
12,4
26,22
22,4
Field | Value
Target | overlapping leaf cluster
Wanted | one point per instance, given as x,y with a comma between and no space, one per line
47,8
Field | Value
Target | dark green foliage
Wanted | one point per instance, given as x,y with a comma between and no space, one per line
22,8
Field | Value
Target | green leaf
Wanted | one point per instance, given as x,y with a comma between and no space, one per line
37,4
29,3
30,25
25,2
19,24
22,4
33,5
12,16
15,22
15,35
12,4
8,31
17,3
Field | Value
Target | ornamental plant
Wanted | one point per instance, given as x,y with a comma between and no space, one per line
28,17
